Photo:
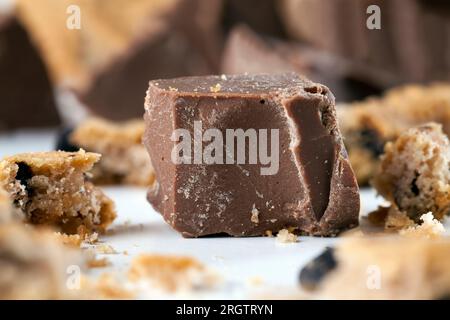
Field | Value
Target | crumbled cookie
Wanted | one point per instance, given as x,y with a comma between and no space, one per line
98,263
390,218
35,266
368,125
104,248
107,286
5,207
387,268
51,188
74,240
124,158
415,172
429,228
171,273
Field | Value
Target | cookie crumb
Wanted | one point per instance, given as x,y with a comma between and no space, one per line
255,215
430,228
171,273
98,263
105,249
216,88
286,236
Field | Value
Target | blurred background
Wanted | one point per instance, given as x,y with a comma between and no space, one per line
62,60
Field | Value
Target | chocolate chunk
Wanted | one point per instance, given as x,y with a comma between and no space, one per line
246,51
107,62
248,153
24,173
317,269
410,44
25,89
63,142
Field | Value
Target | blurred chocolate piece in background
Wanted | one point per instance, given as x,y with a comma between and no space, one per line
260,15
246,51
121,45
413,43
25,91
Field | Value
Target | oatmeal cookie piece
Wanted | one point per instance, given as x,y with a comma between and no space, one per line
5,207
52,188
381,268
34,264
368,125
415,172
124,158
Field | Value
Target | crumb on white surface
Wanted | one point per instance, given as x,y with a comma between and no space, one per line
430,228
171,273
104,248
286,236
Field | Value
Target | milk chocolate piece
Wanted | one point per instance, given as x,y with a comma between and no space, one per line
25,90
313,189
411,45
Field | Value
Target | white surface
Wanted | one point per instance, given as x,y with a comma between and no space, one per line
139,229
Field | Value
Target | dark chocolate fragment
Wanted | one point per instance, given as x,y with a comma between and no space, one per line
24,173
25,90
63,141
302,180
317,269
260,15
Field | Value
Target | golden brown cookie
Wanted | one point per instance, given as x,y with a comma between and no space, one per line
51,188
368,125
382,268
124,158
35,265
415,172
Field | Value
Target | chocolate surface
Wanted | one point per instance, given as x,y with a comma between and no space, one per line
412,44
25,89
313,190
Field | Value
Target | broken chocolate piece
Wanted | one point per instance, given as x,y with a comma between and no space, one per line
107,61
302,177
63,142
316,270
25,89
